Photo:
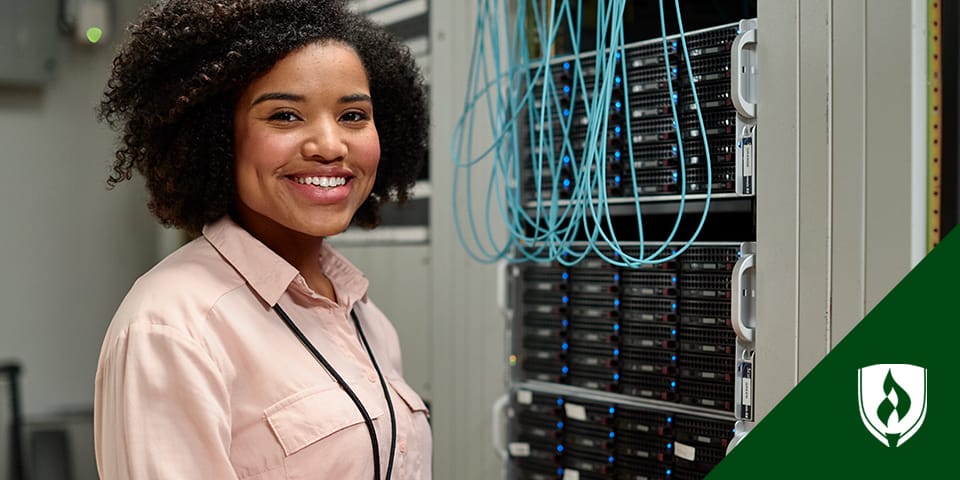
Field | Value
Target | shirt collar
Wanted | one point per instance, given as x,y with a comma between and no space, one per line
269,275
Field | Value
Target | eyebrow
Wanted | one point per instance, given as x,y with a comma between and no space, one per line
293,97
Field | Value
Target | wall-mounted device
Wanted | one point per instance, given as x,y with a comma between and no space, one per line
28,42
89,22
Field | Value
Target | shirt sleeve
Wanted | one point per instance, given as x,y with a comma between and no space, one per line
162,409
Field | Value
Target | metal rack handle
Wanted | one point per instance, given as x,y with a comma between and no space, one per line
502,286
744,264
744,106
499,435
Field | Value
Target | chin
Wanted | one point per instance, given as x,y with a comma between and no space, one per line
327,230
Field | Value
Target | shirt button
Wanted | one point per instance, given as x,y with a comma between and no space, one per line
372,377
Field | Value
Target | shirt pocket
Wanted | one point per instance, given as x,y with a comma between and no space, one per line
310,416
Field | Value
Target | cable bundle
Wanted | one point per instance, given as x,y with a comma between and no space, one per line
515,89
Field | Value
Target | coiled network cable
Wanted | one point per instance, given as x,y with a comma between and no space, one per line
512,87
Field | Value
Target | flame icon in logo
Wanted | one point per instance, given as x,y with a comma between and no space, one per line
888,411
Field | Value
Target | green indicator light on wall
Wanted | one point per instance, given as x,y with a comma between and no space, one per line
94,34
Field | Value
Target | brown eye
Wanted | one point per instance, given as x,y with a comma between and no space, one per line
284,117
354,116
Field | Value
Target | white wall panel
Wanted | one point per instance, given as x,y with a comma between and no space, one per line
837,204
469,346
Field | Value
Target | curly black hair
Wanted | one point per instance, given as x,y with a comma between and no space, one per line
176,80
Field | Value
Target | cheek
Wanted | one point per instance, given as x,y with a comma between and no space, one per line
260,151
370,152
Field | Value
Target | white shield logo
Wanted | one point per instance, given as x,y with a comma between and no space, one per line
893,401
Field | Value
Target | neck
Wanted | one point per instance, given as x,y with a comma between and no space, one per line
306,259
301,251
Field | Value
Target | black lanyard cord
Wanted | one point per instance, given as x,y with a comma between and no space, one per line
346,387
386,394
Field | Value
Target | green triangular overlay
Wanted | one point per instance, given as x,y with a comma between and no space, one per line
816,431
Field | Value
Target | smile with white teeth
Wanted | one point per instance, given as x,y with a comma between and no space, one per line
327,182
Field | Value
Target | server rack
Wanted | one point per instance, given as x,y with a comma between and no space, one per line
644,373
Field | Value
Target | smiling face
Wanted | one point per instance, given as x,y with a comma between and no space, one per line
306,146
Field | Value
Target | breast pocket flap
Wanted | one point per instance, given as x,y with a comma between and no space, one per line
309,416
409,396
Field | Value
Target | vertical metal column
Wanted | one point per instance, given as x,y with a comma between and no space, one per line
12,371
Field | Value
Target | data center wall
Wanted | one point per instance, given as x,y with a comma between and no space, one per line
467,335
838,222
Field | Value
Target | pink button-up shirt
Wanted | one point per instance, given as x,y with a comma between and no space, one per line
200,379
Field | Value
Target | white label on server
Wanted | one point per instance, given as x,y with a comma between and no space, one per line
524,397
519,449
570,474
685,452
747,397
574,411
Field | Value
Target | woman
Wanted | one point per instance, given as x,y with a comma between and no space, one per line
253,352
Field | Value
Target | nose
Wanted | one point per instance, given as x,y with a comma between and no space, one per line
324,142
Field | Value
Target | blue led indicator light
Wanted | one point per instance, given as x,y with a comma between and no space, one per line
616,56
566,159
565,275
610,459
674,176
616,277
616,180
617,154
560,400
565,299
674,74
669,419
565,323
674,44
669,446
616,377
672,384
669,472
616,352
618,105
673,306
616,302
560,448
616,327
566,183
560,425
673,332
560,471
612,410
566,112
565,369
566,89
616,130
566,65
617,80
673,279
673,358
612,435
565,346
674,149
